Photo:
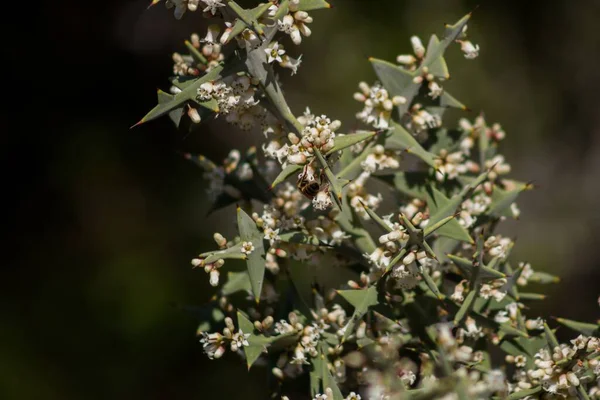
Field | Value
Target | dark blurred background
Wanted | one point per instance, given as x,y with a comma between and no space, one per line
102,221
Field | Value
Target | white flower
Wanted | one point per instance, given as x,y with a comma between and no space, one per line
212,6
322,200
295,25
247,248
274,53
435,90
471,51
353,396
501,317
291,63
417,46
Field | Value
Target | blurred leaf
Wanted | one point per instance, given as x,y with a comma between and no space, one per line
257,344
234,252
397,81
581,327
437,67
543,278
335,184
502,199
345,141
525,393
413,184
308,5
300,237
256,259
168,103
442,207
400,139
236,282
361,300
469,270
286,173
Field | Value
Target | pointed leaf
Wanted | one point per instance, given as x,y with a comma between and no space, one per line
257,344
521,394
187,94
485,274
300,237
361,300
233,252
354,167
447,100
502,199
430,283
308,5
397,81
400,139
335,184
581,327
437,67
342,142
256,259
550,337
413,184
377,219
286,173
543,277
466,306
236,282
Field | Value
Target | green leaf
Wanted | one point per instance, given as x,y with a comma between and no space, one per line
550,337
397,81
286,173
308,5
581,327
543,277
256,259
361,300
413,184
502,199
441,207
350,224
257,344
430,282
466,306
196,54
249,17
169,103
342,142
282,10
335,184
447,100
484,274
523,346
531,296
436,50
376,218
525,393
582,393
354,167
400,139
437,67
300,237
236,282
233,252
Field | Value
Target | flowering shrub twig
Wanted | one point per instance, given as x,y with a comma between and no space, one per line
435,307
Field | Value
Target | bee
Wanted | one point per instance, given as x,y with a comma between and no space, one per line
307,183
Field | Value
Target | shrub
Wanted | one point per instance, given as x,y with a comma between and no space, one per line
415,297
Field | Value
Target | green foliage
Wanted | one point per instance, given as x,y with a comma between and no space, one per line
418,287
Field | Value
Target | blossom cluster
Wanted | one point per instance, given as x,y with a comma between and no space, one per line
382,242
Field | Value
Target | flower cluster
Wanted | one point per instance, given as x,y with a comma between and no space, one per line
369,260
